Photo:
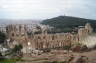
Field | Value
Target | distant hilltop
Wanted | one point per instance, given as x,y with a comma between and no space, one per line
67,23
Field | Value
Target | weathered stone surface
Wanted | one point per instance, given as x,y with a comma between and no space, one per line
76,48
19,33
84,48
80,59
79,48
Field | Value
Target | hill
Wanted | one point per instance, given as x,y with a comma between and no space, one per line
67,23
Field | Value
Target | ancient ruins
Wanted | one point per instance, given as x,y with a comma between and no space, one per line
18,34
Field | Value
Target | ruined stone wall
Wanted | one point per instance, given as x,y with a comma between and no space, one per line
14,31
84,32
52,40
40,41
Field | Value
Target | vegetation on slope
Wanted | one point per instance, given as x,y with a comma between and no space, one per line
8,61
67,23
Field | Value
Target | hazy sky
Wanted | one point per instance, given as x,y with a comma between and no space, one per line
42,9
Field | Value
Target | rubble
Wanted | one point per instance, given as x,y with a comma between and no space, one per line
80,59
80,48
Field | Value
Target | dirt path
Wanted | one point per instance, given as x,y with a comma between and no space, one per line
46,58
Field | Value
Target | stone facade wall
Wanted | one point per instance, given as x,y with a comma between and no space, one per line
52,40
84,32
16,30
40,41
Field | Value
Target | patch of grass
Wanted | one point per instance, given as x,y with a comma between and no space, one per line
8,61
66,47
76,44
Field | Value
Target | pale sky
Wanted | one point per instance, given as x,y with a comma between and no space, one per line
43,9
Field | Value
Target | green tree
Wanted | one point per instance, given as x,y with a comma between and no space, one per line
17,48
1,56
2,37
16,52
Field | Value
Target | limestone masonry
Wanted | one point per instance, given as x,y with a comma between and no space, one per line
18,34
